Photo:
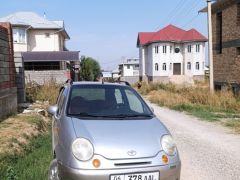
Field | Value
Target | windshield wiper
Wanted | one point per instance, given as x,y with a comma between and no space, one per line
129,115
84,115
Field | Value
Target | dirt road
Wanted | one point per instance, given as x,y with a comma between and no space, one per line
208,151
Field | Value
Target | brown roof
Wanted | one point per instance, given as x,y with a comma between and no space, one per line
50,56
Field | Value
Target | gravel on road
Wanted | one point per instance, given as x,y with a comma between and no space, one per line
208,151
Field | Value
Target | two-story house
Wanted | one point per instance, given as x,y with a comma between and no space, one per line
171,53
226,44
40,49
129,70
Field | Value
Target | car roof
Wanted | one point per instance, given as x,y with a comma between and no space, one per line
120,83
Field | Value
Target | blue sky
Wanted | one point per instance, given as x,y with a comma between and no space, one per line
107,29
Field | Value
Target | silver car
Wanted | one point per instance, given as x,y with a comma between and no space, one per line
105,131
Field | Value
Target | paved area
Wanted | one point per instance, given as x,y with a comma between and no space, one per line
208,151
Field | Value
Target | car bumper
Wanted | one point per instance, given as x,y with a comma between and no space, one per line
166,172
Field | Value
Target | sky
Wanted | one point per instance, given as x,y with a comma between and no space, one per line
107,30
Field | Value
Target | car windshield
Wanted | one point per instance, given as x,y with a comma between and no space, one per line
108,101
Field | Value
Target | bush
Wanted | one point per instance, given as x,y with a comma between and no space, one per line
46,92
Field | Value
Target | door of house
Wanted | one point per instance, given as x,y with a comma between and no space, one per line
177,69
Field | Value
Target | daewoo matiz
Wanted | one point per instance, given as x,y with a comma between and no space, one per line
105,131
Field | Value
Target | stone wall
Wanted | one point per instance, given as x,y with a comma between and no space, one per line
40,77
226,65
8,92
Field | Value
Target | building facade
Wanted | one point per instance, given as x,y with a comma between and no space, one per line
171,52
129,70
226,44
40,50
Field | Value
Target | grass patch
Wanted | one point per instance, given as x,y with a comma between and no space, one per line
205,112
234,124
196,100
31,163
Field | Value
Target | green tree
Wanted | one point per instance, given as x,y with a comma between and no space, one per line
90,69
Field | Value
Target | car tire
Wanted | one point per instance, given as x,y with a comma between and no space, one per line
53,170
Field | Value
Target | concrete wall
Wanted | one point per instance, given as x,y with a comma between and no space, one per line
38,41
40,77
130,79
8,93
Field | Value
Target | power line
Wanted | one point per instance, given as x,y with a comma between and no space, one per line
172,12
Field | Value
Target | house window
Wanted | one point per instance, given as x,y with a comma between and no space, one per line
189,48
170,49
189,66
197,47
177,50
128,66
164,67
47,35
156,67
170,66
164,49
238,14
19,35
197,65
156,49
238,51
219,33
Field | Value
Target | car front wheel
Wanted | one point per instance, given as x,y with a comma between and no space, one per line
53,170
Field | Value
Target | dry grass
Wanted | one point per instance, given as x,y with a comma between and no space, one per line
46,92
197,100
17,130
171,95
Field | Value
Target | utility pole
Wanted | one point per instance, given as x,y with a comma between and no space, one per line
210,46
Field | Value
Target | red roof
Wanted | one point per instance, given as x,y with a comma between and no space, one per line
170,33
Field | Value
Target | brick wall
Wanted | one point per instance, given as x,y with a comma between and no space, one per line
8,95
226,65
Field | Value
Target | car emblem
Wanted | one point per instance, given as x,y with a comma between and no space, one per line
132,153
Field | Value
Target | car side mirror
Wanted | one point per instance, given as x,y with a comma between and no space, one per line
52,109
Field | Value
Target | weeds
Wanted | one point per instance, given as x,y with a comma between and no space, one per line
196,100
46,92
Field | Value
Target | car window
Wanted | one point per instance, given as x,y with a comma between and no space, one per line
134,102
89,93
118,96
60,102
105,100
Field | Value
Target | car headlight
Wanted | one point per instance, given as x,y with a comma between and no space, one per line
168,145
82,149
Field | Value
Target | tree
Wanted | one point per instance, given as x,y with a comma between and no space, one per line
90,69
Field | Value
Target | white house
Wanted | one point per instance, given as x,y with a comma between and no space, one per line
40,43
171,54
129,70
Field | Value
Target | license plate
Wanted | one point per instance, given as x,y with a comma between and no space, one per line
136,176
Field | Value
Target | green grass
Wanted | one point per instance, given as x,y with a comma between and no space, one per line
206,112
31,164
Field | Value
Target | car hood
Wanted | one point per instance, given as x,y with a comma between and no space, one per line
120,139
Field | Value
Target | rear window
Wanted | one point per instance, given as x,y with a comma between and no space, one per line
105,101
